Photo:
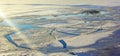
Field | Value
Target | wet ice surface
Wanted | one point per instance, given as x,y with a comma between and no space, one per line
38,29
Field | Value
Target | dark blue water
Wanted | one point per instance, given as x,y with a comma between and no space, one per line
63,43
9,38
